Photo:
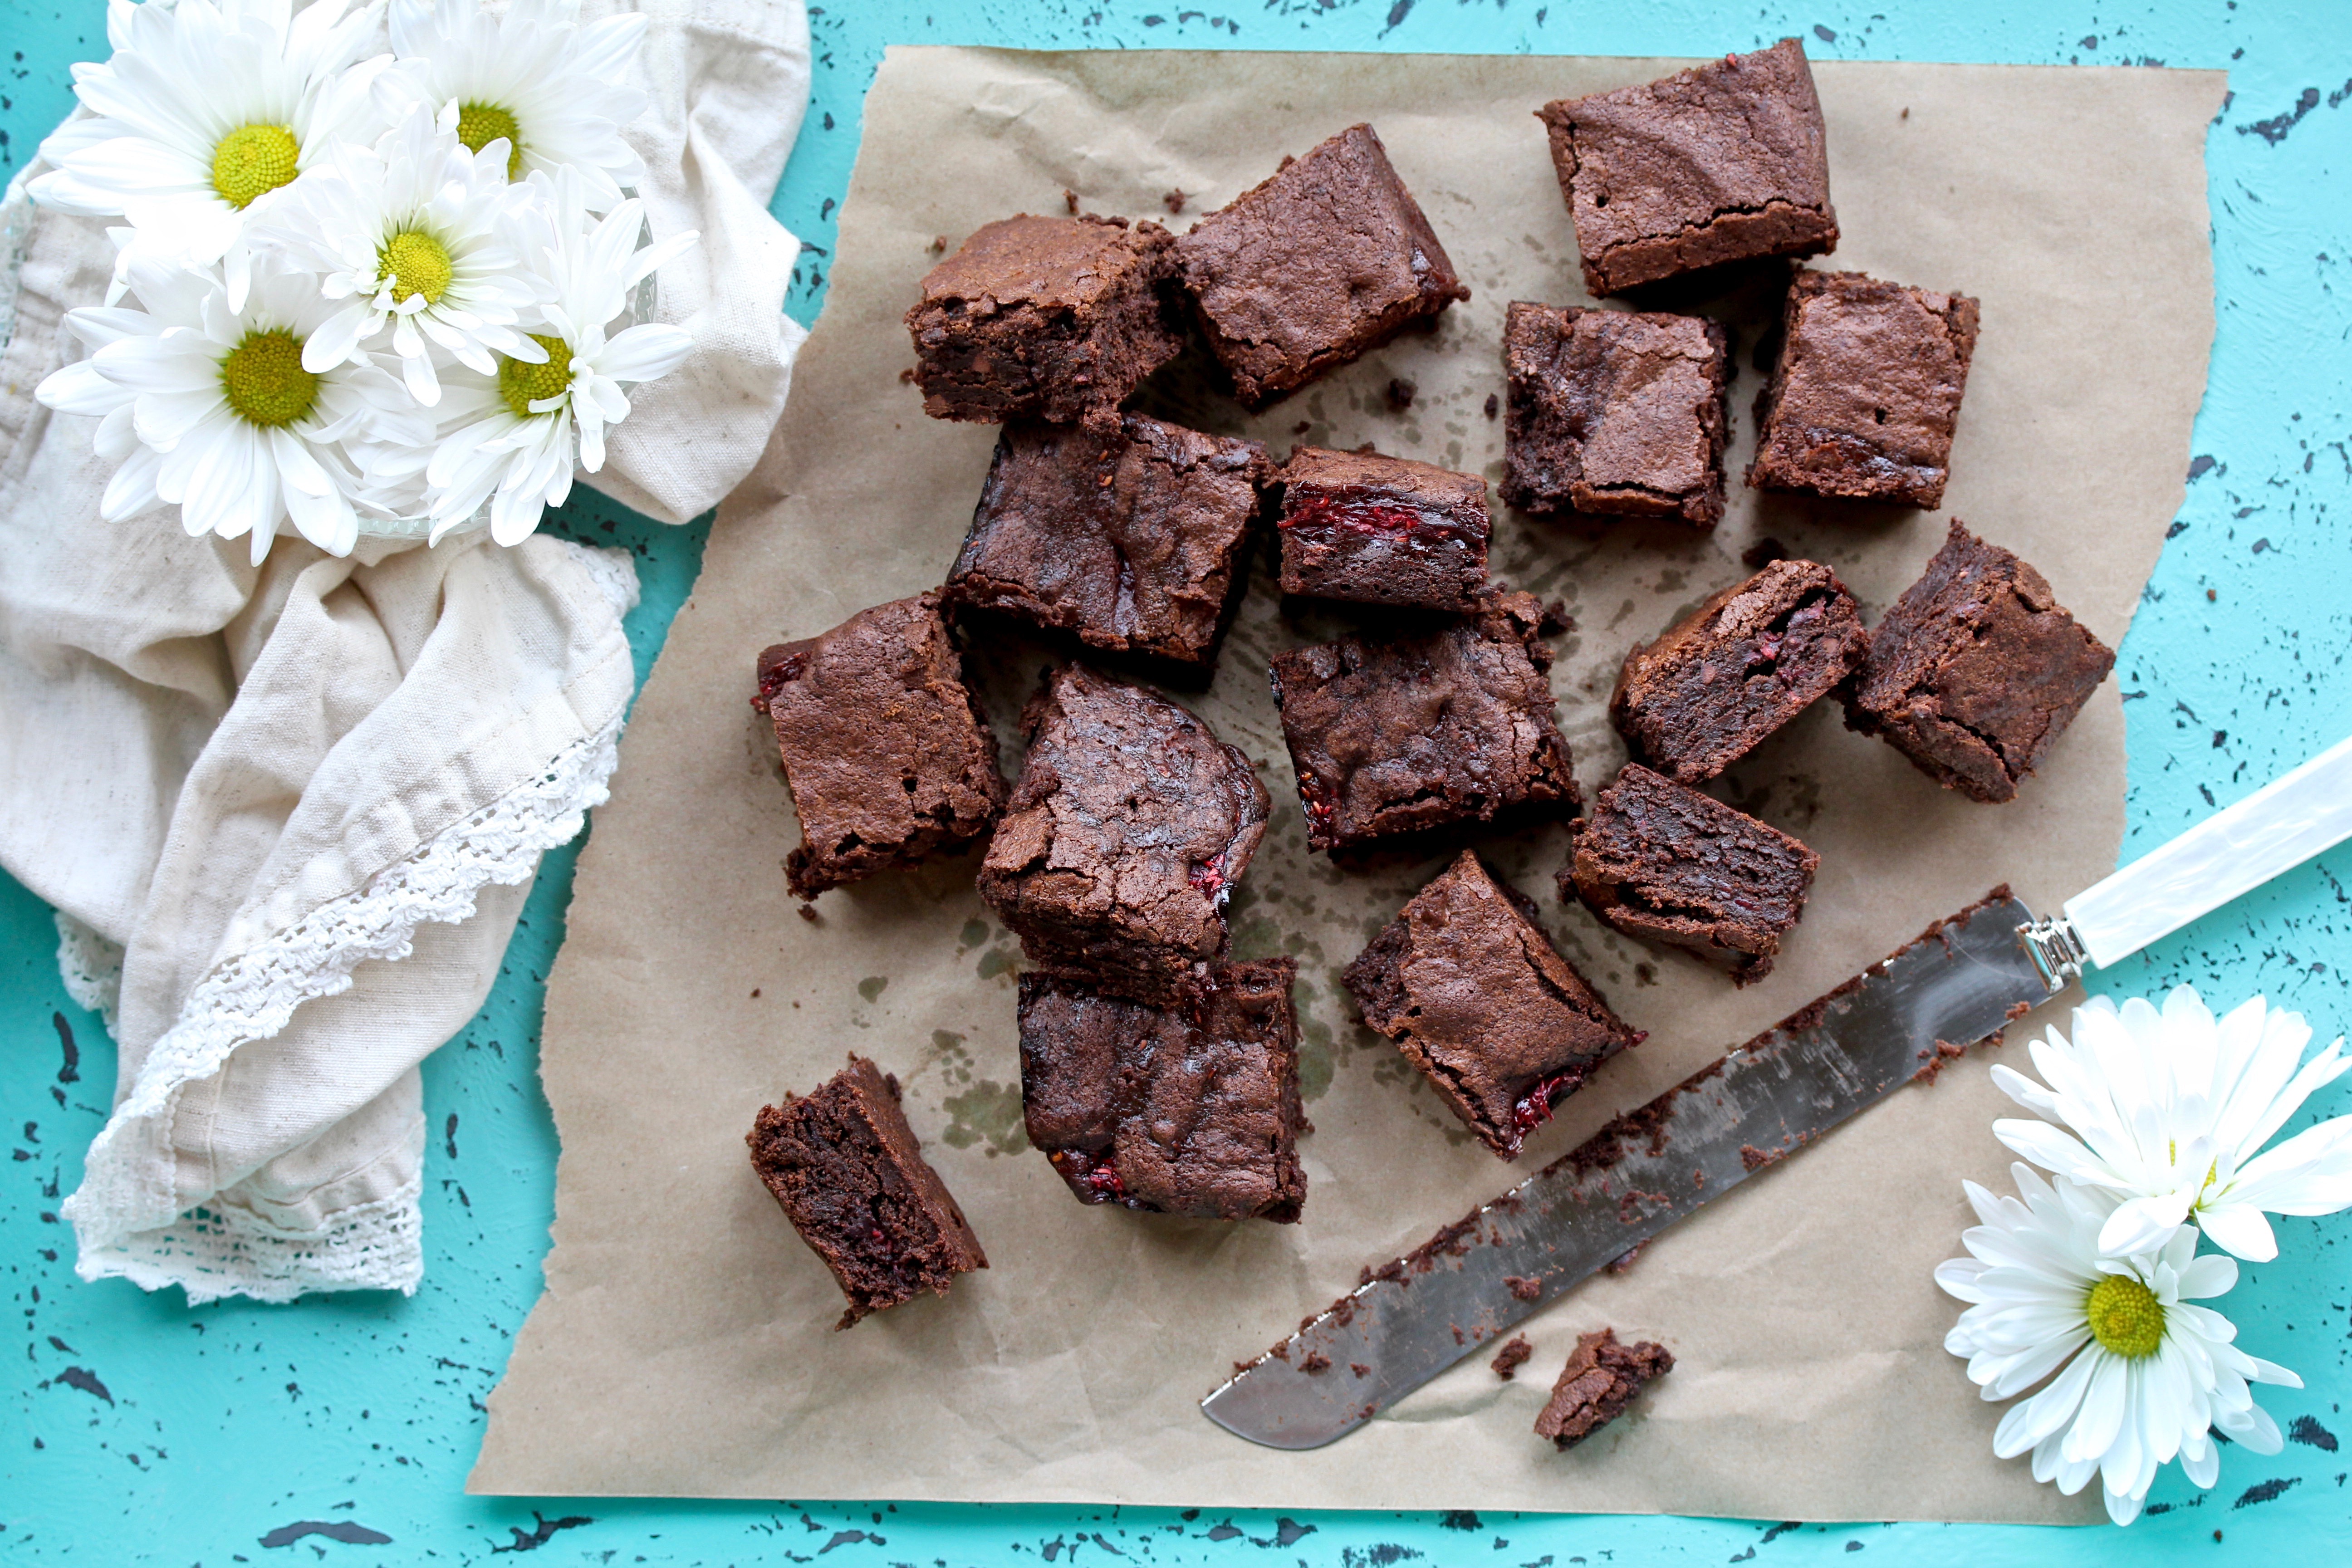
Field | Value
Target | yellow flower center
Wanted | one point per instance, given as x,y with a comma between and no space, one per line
414,263
479,125
265,382
522,384
253,159
2126,1317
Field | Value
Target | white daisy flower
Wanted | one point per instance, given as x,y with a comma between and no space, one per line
509,440
2142,1376
555,92
210,408
2170,1110
204,115
414,235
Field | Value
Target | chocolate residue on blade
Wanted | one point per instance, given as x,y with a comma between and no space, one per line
1525,1288
1645,1125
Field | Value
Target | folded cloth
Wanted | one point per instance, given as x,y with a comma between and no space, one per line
288,816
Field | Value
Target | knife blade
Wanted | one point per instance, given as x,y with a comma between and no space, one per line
1964,979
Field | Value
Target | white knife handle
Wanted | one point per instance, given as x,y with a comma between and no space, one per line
2273,830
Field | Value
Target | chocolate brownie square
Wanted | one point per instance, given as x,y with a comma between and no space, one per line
1866,390
1123,839
1457,724
848,1172
1600,1379
1382,530
1721,163
1661,862
1744,663
1977,670
1131,538
887,759
1187,1110
1613,411
1466,982
1304,271
1045,318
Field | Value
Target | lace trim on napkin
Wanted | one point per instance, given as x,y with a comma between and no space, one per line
92,967
217,1252
126,1212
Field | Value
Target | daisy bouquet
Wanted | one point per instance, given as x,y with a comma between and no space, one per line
379,273
2083,1291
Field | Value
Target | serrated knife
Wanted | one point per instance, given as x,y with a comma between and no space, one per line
1967,978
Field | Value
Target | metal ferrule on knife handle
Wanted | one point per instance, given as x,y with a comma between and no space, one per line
1409,1320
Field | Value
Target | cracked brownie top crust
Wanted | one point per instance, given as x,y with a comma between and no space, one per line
1131,538
1187,1110
1721,163
1122,841
1866,392
1466,982
1327,258
1045,318
887,758
1613,411
1977,670
1419,731
1744,663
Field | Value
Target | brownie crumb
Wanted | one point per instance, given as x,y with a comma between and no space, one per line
1175,202
1359,1369
1316,1360
1763,552
1525,1288
1600,1381
1756,1159
1401,393
907,376
938,245
1514,1355
808,913
1070,200
1494,405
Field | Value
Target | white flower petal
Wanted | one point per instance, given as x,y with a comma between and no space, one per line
2240,1229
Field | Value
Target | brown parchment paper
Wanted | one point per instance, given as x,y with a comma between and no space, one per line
684,1344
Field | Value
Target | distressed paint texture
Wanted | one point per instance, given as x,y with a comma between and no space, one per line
341,1429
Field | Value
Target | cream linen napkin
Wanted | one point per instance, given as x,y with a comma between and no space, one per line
288,816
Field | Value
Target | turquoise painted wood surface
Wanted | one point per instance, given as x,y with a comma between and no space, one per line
339,1430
